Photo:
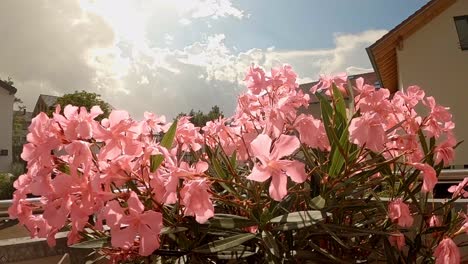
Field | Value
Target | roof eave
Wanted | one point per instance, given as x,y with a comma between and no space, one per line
11,90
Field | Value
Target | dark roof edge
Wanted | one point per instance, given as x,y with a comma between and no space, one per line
404,22
9,88
374,65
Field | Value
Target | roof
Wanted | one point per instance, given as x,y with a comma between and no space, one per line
9,88
49,100
382,53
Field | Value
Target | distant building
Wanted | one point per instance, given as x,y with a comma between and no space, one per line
44,103
21,121
430,49
7,99
314,106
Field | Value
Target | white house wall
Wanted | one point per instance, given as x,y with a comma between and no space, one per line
432,59
6,124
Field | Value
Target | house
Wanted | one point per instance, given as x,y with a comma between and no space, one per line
7,99
314,106
44,103
430,49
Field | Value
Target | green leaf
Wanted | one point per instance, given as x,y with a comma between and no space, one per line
337,133
270,243
227,221
172,230
293,226
299,217
233,159
90,244
318,202
234,254
389,252
340,104
167,141
223,244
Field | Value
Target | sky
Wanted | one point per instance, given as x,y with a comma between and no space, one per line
171,56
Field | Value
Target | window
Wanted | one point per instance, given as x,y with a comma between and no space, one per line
461,23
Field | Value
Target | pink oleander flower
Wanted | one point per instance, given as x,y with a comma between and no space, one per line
435,123
125,228
188,135
460,189
362,89
399,213
429,176
42,139
434,221
272,166
312,132
447,252
445,152
367,130
255,80
76,122
196,199
412,95
326,81
464,227
118,135
397,240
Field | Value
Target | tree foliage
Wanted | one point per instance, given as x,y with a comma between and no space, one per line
86,99
199,118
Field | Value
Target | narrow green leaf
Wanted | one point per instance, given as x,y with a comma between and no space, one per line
223,244
230,222
218,169
389,252
299,217
234,254
270,243
131,184
293,226
172,230
90,244
318,202
168,138
233,159
167,141
423,141
340,104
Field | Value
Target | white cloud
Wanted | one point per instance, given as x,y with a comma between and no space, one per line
66,48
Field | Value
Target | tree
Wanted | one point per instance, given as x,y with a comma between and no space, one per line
85,99
199,118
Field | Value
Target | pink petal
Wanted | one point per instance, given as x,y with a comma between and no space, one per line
95,111
153,220
296,170
149,240
285,146
261,147
201,167
116,116
69,111
278,187
134,204
123,238
259,174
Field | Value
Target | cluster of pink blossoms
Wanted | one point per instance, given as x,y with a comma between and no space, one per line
82,168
